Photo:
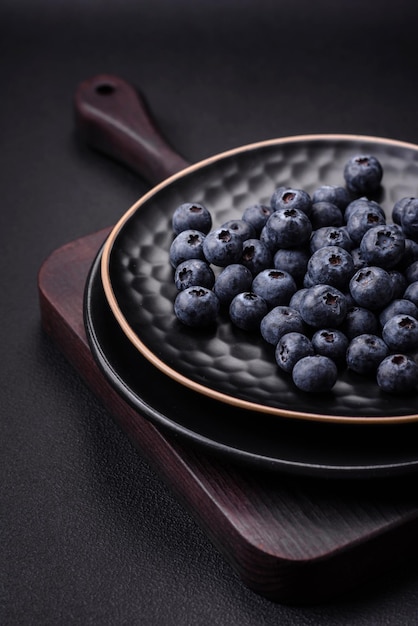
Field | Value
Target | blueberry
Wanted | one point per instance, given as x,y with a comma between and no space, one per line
276,287
196,307
358,260
371,287
276,194
361,220
330,236
293,260
397,373
322,306
409,219
331,265
247,310
325,214
365,353
349,299
332,343
410,254
286,228
296,299
222,247
398,208
332,193
363,174
256,256
307,281
257,215
315,374
231,281
242,228
290,348
359,321
383,246
397,307
411,272
289,198
191,216
400,333
279,321
187,245
411,293
193,272
365,204
399,283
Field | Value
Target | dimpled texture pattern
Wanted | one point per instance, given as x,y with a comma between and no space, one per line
225,359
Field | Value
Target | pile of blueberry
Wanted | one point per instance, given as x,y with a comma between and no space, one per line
325,278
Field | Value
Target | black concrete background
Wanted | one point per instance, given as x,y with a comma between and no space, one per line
88,533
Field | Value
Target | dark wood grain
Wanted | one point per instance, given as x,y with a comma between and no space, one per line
290,539
112,117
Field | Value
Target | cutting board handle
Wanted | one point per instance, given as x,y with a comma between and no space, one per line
113,118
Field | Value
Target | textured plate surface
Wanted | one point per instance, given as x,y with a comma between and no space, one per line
225,363
300,447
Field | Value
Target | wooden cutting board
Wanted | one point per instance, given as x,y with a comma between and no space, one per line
291,539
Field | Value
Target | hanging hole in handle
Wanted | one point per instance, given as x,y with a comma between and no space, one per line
105,89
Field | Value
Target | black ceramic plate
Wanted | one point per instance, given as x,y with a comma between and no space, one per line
227,364
261,441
